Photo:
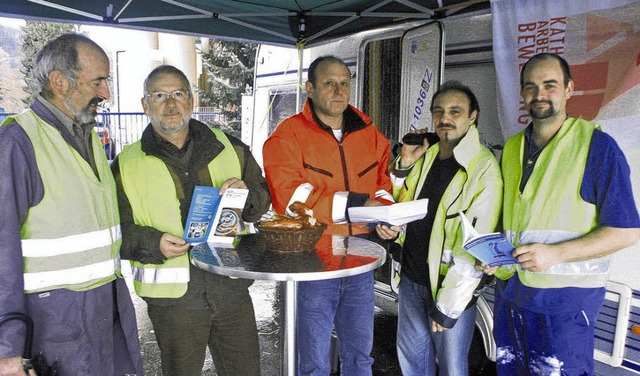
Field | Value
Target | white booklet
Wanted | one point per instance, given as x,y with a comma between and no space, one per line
396,214
492,249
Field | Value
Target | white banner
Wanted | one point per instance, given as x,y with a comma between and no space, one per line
600,39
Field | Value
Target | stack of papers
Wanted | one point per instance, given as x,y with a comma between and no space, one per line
395,215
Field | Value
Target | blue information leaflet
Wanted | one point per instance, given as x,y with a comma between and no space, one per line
492,249
204,206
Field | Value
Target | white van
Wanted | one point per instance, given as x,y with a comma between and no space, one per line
387,65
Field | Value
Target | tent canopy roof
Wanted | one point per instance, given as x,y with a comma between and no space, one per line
281,22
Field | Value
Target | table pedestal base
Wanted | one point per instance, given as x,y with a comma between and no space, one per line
288,310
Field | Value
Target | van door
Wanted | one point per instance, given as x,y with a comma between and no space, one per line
422,72
398,72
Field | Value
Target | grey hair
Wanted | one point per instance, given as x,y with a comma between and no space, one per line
60,54
162,70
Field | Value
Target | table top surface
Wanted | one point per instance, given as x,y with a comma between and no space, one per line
334,256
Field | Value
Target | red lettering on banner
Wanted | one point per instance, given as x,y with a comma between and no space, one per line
542,41
526,38
557,50
527,27
556,20
542,33
526,52
523,118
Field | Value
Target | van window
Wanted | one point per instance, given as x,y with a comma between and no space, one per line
381,84
283,105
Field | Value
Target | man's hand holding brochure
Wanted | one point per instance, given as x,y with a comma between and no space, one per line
392,215
491,249
213,217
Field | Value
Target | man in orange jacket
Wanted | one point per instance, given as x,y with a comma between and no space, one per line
331,157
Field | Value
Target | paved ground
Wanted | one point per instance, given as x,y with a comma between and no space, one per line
265,299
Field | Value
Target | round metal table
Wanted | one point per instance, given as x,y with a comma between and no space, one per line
334,256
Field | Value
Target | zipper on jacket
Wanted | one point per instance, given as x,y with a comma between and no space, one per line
344,167
346,177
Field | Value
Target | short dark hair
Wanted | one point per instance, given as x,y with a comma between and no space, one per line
312,73
162,70
61,54
566,71
459,87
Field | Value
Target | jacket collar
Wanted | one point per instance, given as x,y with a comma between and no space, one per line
353,118
468,147
205,144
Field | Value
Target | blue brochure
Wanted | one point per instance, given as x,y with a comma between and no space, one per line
492,249
202,211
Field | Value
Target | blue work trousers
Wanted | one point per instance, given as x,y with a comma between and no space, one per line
530,343
418,347
346,303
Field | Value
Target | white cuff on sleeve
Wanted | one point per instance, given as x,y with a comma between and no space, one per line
339,207
384,195
396,181
301,194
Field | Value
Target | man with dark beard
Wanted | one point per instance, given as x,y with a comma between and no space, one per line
436,303
59,228
190,308
568,205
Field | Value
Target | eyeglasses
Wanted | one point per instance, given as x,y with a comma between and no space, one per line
161,97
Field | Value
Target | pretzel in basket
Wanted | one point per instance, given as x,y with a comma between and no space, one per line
304,219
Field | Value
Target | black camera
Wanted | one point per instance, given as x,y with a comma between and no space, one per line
417,138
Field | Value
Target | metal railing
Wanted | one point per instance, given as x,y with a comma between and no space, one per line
124,128
117,129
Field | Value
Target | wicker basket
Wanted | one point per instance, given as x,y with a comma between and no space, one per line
302,240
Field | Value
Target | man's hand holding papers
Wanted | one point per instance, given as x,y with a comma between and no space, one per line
391,215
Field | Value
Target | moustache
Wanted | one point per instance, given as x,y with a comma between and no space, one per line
95,101
446,125
536,101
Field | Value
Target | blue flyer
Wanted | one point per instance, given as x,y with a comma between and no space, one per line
204,206
492,249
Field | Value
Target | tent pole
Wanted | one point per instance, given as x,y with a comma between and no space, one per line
299,86
302,29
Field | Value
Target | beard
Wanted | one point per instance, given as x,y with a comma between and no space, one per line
445,132
158,122
541,114
84,115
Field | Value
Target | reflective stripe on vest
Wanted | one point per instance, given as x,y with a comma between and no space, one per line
71,238
550,209
152,194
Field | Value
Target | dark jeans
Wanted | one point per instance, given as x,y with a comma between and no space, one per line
228,327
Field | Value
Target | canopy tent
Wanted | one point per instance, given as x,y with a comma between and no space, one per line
280,22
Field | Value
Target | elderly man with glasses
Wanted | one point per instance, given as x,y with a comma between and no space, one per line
190,309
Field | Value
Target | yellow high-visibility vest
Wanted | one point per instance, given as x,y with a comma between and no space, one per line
152,194
550,209
71,239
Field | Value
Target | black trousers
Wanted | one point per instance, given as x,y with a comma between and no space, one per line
227,326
